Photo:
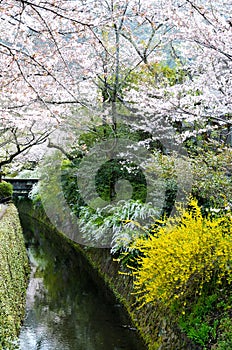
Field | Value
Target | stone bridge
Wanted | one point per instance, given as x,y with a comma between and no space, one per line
21,186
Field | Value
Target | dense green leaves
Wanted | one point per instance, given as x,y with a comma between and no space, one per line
14,270
116,224
6,190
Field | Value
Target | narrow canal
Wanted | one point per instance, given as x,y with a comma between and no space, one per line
66,308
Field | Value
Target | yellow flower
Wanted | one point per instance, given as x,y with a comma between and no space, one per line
188,248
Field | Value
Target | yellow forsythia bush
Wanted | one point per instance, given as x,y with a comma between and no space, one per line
186,252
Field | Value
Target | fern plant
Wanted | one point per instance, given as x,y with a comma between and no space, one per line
114,225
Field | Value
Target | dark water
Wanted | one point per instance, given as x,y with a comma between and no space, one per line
66,309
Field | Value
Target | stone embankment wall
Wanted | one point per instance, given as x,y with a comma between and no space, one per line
14,271
154,324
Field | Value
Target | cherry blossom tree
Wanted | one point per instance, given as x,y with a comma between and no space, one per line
200,38
60,58
38,78
55,56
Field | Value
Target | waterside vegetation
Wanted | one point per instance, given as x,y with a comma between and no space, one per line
14,271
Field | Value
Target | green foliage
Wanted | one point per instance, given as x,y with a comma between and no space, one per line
106,131
122,178
6,190
166,75
101,132
212,180
206,319
115,224
69,185
14,270
211,176
111,172
196,323
154,73
225,334
114,170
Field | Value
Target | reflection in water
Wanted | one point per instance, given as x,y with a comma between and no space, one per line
65,309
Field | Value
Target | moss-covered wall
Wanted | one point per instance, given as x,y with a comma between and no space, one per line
14,270
155,325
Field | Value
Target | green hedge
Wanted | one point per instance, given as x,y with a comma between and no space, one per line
14,271
6,190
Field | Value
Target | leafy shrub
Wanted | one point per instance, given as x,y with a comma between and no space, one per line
70,186
212,180
225,337
116,169
211,175
6,190
115,224
187,252
14,271
110,172
199,323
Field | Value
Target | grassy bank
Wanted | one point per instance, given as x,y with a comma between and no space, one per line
14,271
